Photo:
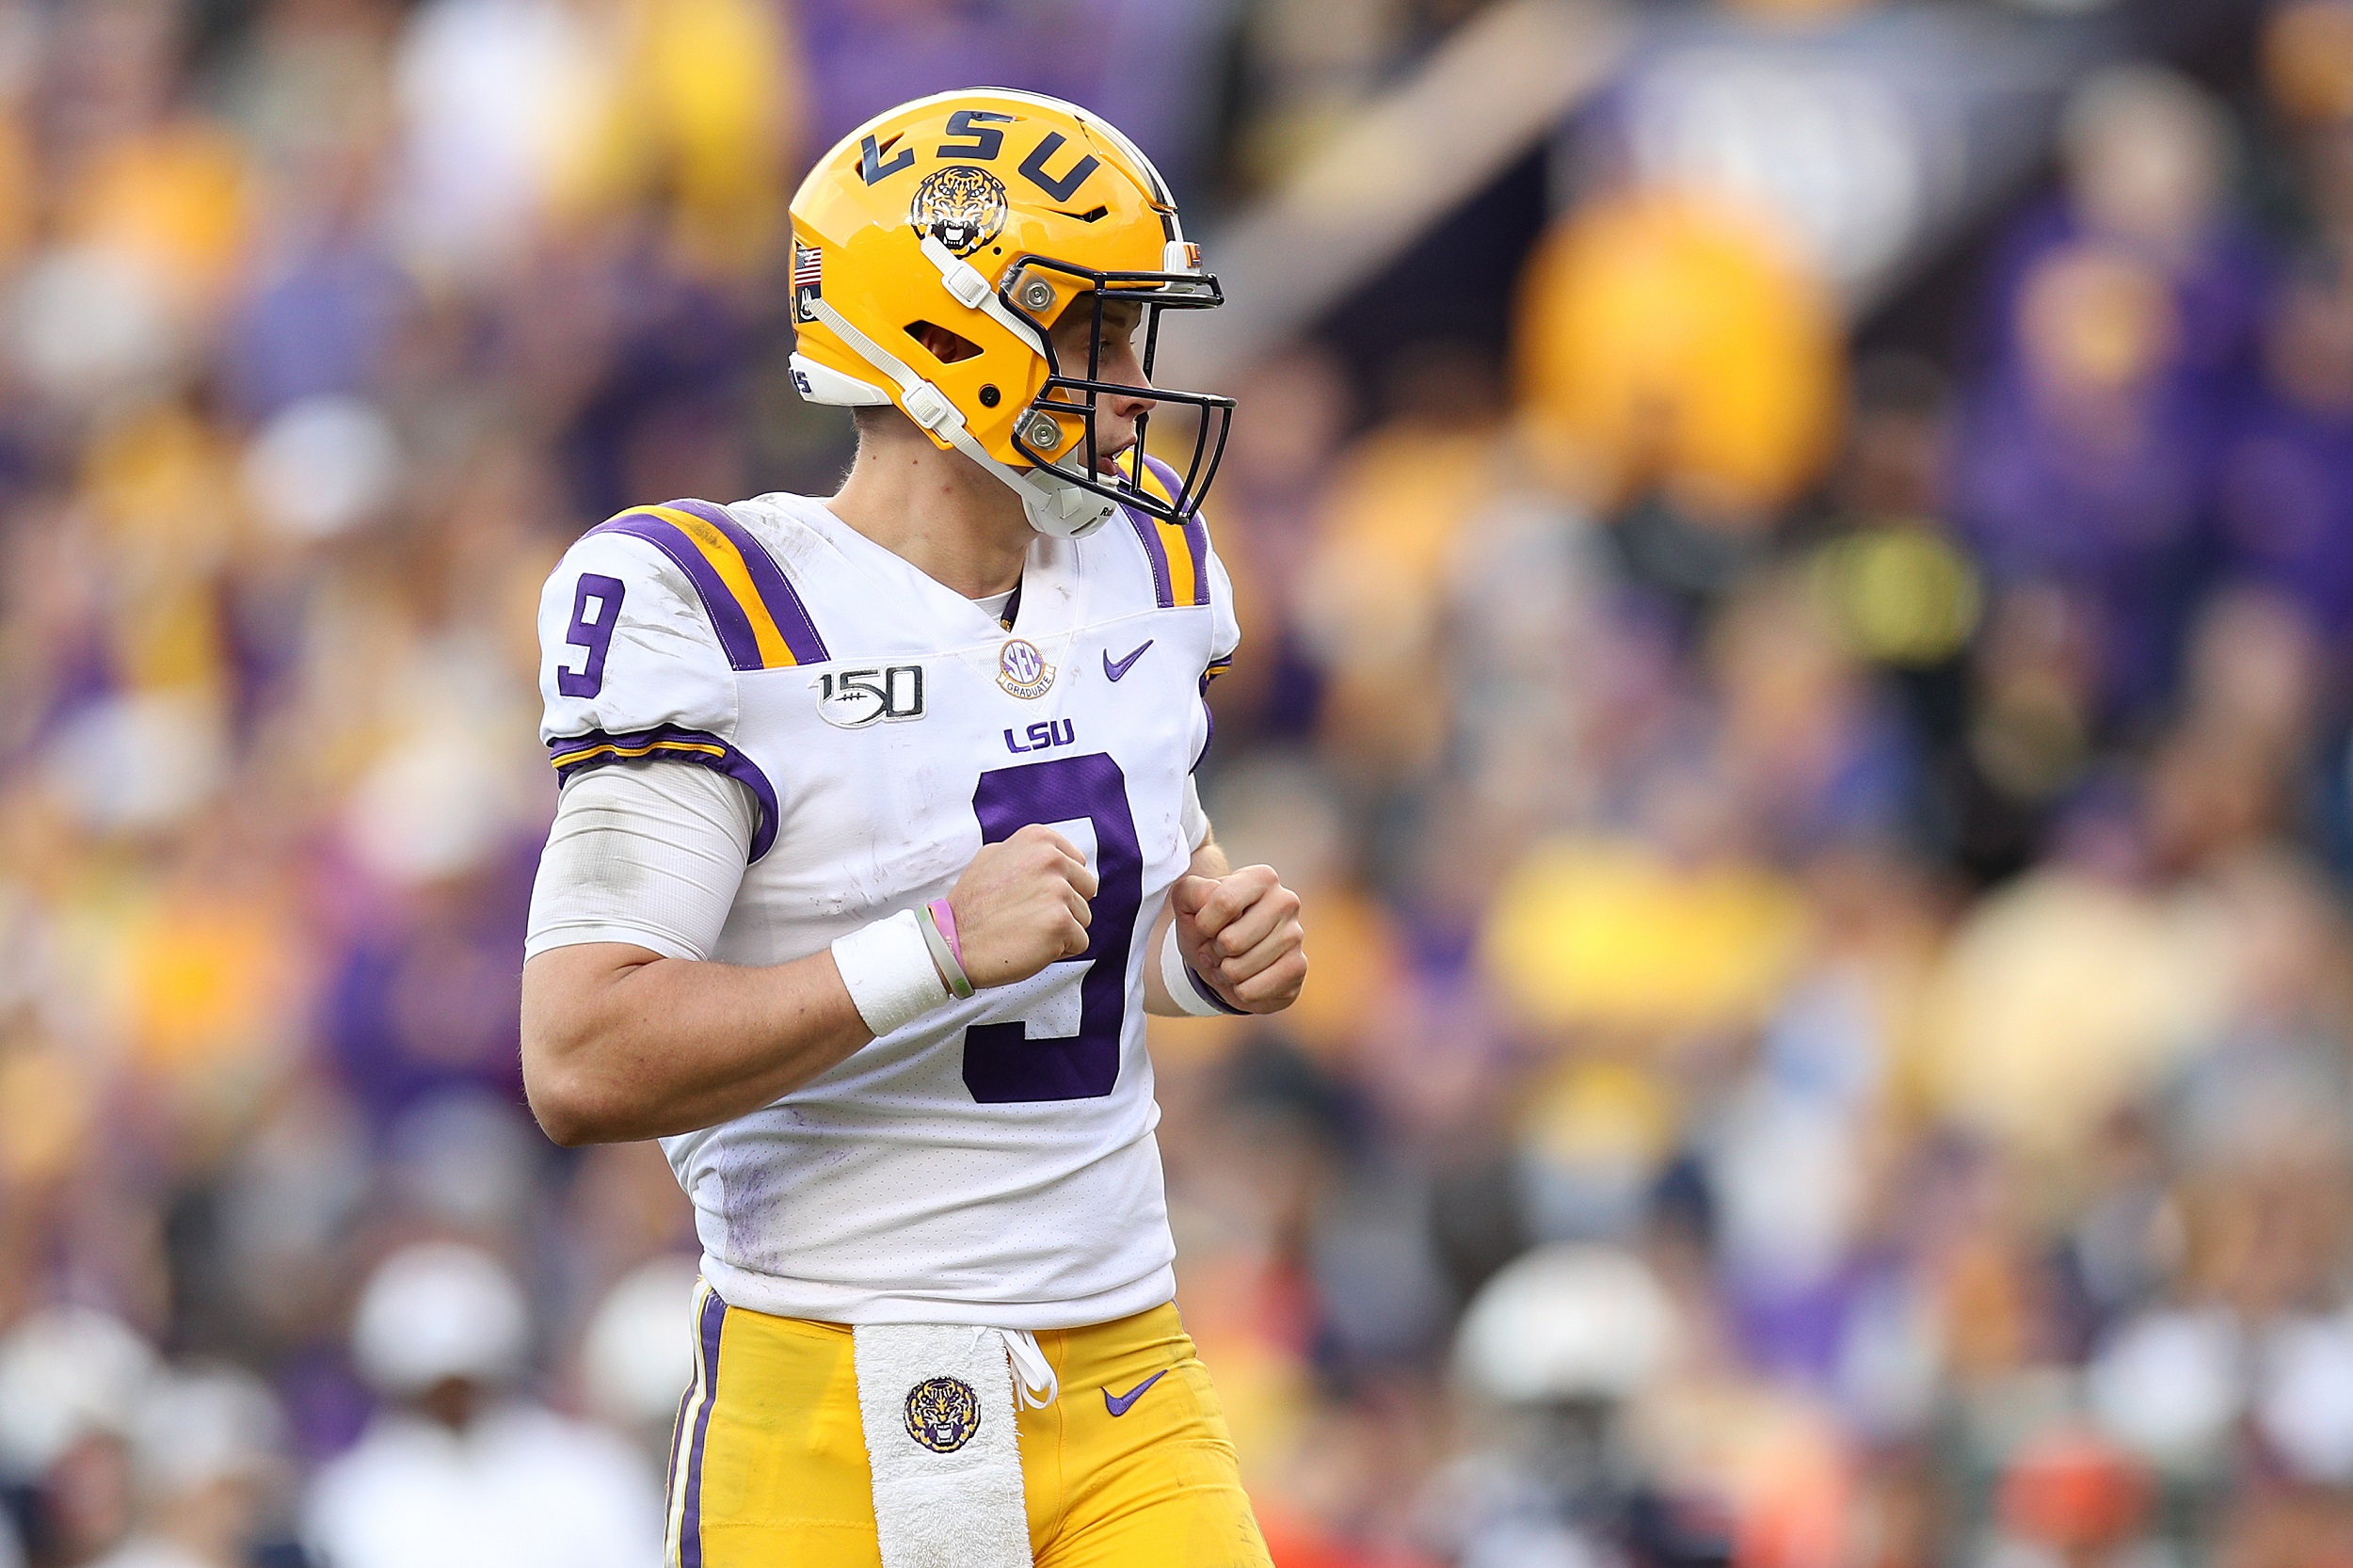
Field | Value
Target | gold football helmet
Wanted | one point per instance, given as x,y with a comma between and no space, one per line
986,215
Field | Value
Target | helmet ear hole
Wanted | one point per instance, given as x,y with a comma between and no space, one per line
940,344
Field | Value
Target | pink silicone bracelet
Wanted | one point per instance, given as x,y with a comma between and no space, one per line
944,916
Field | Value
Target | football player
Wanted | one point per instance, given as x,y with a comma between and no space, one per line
877,839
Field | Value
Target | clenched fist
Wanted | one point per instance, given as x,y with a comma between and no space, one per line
1241,932
1020,905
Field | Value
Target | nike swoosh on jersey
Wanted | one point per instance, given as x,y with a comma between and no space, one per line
1113,672
1122,1405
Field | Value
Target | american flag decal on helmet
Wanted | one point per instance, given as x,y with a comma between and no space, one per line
809,278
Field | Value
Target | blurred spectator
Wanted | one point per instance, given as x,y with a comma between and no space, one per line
1371,601
633,1361
2285,471
1671,342
2022,1050
491,94
1566,1339
457,1470
210,1474
1271,488
2307,60
2070,1501
1630,938
1906,594
2237,769
2122,329
72,1384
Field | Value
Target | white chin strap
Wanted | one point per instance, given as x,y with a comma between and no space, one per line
1054,505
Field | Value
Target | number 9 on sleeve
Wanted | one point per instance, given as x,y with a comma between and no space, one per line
593,636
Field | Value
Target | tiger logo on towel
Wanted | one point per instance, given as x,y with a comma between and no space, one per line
943,1413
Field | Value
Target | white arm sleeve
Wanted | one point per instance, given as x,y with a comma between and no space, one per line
647,852
1197,821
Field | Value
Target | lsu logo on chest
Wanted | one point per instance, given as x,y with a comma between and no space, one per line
1043,736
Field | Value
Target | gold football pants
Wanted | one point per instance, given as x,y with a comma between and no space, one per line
1131,1467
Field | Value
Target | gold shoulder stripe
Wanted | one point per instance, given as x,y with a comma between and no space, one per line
1181,586
728,561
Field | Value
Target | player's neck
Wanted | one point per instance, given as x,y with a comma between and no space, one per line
955,523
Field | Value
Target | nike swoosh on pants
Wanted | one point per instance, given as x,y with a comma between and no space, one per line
1121,1405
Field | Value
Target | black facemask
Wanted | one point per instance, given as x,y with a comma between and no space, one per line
1066,397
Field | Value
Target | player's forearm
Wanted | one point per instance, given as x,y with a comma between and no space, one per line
621,1044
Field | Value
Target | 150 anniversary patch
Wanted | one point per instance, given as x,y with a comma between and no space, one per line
852,700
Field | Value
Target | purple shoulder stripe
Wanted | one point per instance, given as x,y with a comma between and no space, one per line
1148,535
1198,544
1196,533
776,590
572,754
726,616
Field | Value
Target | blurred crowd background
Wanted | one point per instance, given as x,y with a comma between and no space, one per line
1796,631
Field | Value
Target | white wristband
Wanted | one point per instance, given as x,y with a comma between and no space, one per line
1185,989
887,968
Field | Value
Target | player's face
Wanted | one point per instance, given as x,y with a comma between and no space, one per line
1119,359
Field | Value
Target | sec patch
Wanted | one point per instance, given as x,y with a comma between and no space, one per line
1022,670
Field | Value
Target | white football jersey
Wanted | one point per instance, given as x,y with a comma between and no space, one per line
993,1162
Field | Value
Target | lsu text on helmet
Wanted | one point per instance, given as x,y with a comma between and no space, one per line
989,215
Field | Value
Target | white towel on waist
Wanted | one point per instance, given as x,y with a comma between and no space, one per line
937,1402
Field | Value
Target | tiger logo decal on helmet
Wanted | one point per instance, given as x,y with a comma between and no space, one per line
993,214
960,206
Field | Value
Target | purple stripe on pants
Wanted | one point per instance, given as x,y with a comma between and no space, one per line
678,1435
690,1535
